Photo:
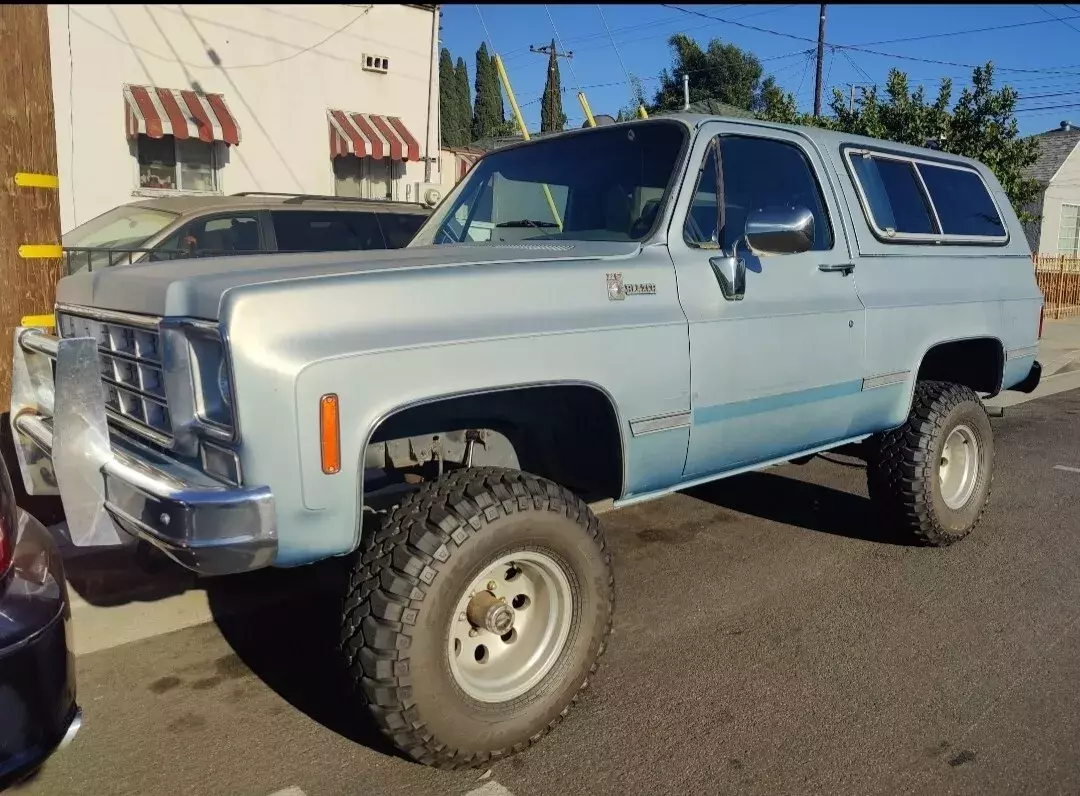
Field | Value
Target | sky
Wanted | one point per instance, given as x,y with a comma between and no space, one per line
1035,48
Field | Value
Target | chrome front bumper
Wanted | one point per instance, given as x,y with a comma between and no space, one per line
113,487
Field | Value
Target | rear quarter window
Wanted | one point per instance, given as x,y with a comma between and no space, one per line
908,198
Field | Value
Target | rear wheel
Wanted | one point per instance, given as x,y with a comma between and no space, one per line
477,615
931,477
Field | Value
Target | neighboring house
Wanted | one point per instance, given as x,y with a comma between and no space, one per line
156,100
1058,173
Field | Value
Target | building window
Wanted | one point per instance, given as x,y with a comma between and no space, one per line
368,177
172,164
1069,230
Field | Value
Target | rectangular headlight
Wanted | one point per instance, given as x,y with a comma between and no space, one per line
211,381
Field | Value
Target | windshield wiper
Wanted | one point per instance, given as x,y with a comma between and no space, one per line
528,222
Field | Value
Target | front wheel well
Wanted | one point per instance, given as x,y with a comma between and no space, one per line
977,363
568,434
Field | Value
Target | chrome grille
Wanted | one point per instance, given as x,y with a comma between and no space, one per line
129,350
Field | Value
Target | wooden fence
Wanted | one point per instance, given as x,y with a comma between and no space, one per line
1059,281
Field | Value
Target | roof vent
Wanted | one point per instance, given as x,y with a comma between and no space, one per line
1066,126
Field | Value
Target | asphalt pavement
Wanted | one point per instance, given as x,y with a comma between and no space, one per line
767,640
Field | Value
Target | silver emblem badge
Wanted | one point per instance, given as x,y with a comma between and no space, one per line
618,291
615,291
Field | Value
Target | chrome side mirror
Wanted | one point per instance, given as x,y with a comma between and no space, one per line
780,230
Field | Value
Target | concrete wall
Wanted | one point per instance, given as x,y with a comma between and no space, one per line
1064,188
279,67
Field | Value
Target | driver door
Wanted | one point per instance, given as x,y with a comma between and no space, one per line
779,370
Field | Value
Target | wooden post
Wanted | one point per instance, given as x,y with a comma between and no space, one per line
1061,287
30,257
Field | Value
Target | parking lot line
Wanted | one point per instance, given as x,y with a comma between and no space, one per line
292,790
491,788
1066,468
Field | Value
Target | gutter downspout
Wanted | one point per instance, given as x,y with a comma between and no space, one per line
431,92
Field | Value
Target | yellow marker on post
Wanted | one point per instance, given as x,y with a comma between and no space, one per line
43,321
585,107
524,131
28,179
43,251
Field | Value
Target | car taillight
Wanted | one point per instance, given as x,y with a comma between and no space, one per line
1042,315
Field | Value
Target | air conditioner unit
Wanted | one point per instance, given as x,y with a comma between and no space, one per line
429,193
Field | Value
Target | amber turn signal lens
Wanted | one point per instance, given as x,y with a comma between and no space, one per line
330,434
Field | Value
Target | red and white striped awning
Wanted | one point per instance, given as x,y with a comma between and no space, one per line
466,159
158,112
369,134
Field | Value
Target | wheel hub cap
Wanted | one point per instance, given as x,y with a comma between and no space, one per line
490,613
958,470
510,626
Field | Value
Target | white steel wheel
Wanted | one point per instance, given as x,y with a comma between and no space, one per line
958,468
510,626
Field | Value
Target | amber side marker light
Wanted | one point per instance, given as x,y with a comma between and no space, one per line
330,434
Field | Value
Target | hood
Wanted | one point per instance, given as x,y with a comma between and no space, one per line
195,288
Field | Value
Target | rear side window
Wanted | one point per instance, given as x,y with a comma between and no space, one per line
919,199
315,231
963,204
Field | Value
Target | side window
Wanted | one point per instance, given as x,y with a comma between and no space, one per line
213,235
962,201
895,197
333,230
399,228
758,173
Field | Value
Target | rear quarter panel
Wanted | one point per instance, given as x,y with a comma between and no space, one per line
919,295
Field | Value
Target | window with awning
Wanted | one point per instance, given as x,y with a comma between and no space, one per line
177,136
369,152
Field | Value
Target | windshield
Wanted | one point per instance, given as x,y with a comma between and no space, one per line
606,184
123,227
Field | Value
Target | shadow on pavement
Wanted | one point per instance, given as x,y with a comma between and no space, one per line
802,504
291,645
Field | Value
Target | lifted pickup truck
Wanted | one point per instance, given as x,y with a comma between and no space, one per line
654,304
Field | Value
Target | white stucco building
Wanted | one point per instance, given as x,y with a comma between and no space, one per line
225,98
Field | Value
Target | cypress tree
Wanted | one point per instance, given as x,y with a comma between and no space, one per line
552,118
482,110
462,103
449,120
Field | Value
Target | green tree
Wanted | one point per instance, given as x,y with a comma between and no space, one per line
637,99
463,103
981,125
449,116
488,117
552,118
721,72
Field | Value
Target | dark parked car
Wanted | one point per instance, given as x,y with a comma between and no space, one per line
38,712
170,227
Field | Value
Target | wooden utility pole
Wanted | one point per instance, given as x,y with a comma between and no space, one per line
30,257
820,60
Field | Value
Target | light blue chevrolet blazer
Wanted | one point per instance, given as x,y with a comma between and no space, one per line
604,316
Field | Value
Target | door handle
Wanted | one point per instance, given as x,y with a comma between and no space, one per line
844,268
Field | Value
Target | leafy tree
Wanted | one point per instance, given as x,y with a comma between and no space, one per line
721,72
449,109
463,104
552,118
637,99
981,125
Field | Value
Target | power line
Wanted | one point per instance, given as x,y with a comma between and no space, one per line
866,49
615,47
946,34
